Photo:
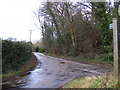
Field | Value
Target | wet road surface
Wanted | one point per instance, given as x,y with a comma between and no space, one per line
52,72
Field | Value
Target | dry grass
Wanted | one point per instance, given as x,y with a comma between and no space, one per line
105,81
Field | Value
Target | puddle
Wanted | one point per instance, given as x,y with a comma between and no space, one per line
37,70
62,62
95,72
84,71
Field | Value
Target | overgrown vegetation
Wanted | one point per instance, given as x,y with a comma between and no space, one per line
14,55
105,81
78,29
39,49
26,67
38,46
101,59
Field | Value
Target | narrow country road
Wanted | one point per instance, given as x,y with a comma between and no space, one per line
54,72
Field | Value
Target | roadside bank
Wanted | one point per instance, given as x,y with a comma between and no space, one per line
10,77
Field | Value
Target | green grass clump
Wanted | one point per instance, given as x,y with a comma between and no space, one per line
104,81
100,61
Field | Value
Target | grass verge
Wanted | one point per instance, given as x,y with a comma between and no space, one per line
26,67
104,81
82,59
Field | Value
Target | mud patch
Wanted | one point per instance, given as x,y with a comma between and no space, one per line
24,74
75,70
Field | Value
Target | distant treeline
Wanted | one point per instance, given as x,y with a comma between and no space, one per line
15,54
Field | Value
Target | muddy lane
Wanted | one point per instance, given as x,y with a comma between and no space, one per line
54,72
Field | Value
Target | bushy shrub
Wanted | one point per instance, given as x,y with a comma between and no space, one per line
108,48
37,49
107,57
14,54
73,50
41,50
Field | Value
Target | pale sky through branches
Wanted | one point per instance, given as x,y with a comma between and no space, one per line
16,18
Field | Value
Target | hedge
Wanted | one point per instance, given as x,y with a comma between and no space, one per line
14,54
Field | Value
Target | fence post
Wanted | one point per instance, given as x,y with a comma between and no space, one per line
115,45
118,29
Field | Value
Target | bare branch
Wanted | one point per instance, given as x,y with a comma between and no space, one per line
90,7
37,26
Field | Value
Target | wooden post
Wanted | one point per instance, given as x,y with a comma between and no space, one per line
0,64
115,45
118,29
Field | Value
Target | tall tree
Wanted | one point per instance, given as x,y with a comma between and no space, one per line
76,28
101,11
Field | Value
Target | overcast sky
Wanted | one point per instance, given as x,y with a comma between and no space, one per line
16,18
